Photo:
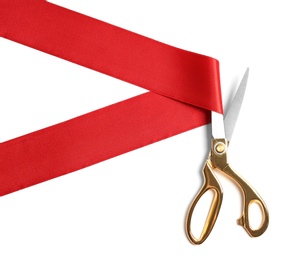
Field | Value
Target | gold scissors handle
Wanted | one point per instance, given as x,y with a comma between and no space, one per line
218,160
210,183
250,196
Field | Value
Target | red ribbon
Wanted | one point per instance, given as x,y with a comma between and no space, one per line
184,87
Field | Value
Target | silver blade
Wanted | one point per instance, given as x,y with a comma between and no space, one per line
217,126
231,115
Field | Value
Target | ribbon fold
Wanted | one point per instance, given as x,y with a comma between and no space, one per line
184,87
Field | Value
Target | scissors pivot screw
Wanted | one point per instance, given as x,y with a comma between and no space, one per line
220,147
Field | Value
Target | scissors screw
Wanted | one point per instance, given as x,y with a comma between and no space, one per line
220,147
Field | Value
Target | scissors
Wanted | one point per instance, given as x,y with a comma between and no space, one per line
222,129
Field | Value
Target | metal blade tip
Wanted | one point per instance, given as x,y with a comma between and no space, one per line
231,116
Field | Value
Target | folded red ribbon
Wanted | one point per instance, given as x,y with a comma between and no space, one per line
184,87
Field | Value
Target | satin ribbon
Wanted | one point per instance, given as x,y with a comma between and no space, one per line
184,87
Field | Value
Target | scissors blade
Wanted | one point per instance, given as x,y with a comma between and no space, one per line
232,113
217,125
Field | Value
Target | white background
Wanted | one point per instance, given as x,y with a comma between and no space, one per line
133,206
